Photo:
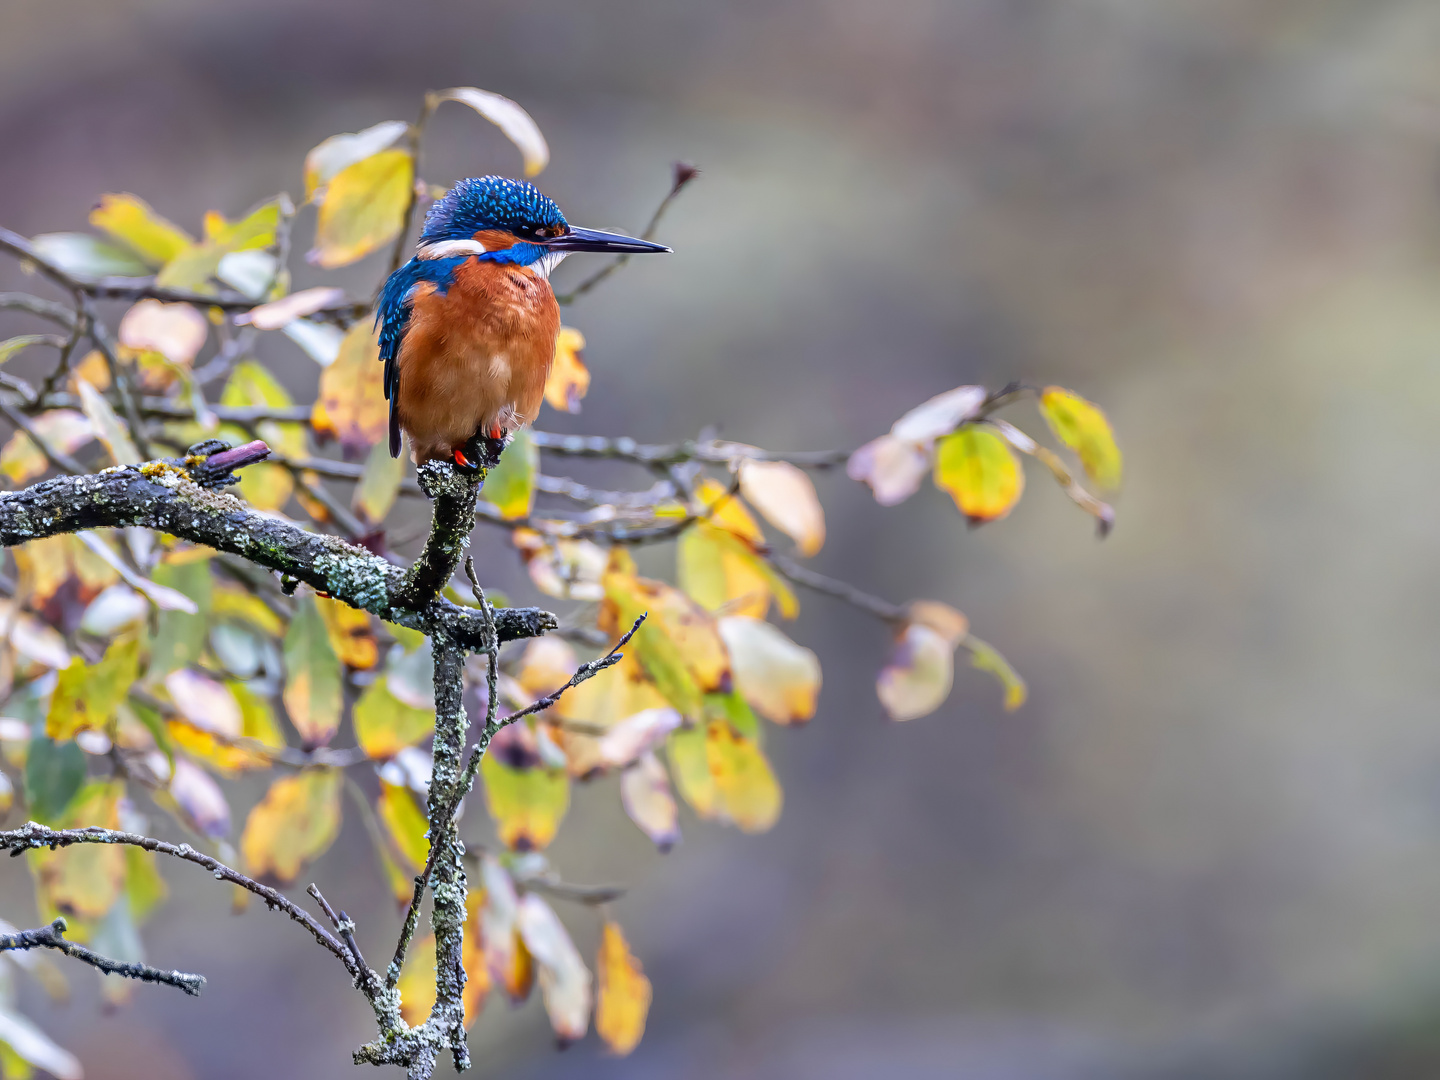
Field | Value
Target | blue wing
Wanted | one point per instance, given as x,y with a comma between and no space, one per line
392,316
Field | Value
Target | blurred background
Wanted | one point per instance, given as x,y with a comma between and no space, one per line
1209,846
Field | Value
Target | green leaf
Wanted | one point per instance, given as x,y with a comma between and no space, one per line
979,470
313,691
84,256
53,774
86,695
691,769
180,636
10,346
341,151
385,725
987,658
364,208
736,709
129,219
510,486
1081,426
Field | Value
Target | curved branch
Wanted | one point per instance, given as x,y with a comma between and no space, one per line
50,937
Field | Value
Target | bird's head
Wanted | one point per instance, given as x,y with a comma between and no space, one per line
512,221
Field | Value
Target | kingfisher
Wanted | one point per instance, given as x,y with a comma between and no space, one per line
468,326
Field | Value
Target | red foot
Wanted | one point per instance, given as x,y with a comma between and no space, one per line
462,460
497,432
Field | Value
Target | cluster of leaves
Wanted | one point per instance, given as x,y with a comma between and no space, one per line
134,665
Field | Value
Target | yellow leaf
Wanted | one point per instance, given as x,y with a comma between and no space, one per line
417,981
312,675
525,803
745,787
917,678
364,208
510,118
690,766
340,151
723,509
352,392
1081,426
44,565
227,753
678,646
510,486
472,957
384,725
130,220
785,496
85,880
720,571
566,568
406,824
86,695
780,679
296,821
569,378
624,998
379,484
978,468
351,634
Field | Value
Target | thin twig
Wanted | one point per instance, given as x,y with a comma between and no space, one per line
586,671
33,835
345,927
682,175
50,937
803,575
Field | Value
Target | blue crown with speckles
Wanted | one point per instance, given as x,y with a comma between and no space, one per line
489,202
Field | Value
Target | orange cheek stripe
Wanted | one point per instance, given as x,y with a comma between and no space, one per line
494,239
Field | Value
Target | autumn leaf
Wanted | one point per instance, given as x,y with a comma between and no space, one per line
565,981
506,957
917,678
384,725
721,571
510,486
780,679
690,765
84,880
86,695
678,646
939,416
636,735
526,803
1081,426
645,795
107,425
312,675
624,992
510,118
569,379
570,569
296,821
175,331
201,802
257,723
746,790
351,634
405,823
977,467
351,403
180,635
196,265
131,221
417,981
341,151
986,657
891,467
363,208
54,772
63,430
785,496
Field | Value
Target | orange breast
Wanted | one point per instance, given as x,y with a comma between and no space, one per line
476,356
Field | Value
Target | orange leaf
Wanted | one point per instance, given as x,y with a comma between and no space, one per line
569,379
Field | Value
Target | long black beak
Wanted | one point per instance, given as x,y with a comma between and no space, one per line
594,240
